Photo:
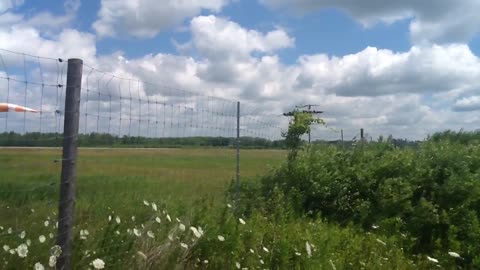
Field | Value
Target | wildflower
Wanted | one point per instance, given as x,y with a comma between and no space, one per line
29,242
298,253
154,207
42,239
50,235
9,231
261,261
229,205
133,218
308,247
146,203
84,234
117,232
46,223
56,251
98,264
158,220
22,235
141,254
205,261
137,232
168,217
117,219
196,232
6,248
22,250
237,264
265,249
432,259
178,220
52,261
454,254
39,266
109,218
241,221
221,238
1,228
181,227
170,237
12,251
381,242
183,245
332,264
375,227
150,234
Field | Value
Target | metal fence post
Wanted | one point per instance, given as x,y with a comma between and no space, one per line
69,163
238,147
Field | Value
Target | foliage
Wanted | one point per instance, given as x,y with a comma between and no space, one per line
429,198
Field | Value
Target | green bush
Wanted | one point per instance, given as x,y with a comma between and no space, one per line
428,197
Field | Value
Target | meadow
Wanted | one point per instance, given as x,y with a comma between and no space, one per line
177,209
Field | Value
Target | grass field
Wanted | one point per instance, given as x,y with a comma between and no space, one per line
108,177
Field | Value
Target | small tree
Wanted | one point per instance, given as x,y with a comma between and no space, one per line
299,125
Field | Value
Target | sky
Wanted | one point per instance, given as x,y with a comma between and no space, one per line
407,68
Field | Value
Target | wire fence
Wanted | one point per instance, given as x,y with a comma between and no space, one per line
169,128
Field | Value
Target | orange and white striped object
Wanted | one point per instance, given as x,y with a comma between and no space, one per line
8,107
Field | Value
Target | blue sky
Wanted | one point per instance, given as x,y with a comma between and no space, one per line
402,67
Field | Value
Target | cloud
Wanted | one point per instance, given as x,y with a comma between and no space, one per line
467,104
146,18
446,21
373,72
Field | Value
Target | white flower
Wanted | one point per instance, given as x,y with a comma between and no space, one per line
117,219
262,262
237,264
84,234
332,264
22,250
133,218
374,227
117,232
137,232
12,251
196,232
22,235
56,251
221,238
178,220
52,261
170,237
158,220
1,228
432,259
454,254
241,221
229,205
46,223
298,253
98,264
181,227
6,248
252,251
154,207
9,231
150,234
183,245
29,242
42,238
109,218
308,247
168,217
39,266
265,249
146,203
51,235
381,242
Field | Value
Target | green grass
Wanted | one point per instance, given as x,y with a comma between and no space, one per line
188,184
